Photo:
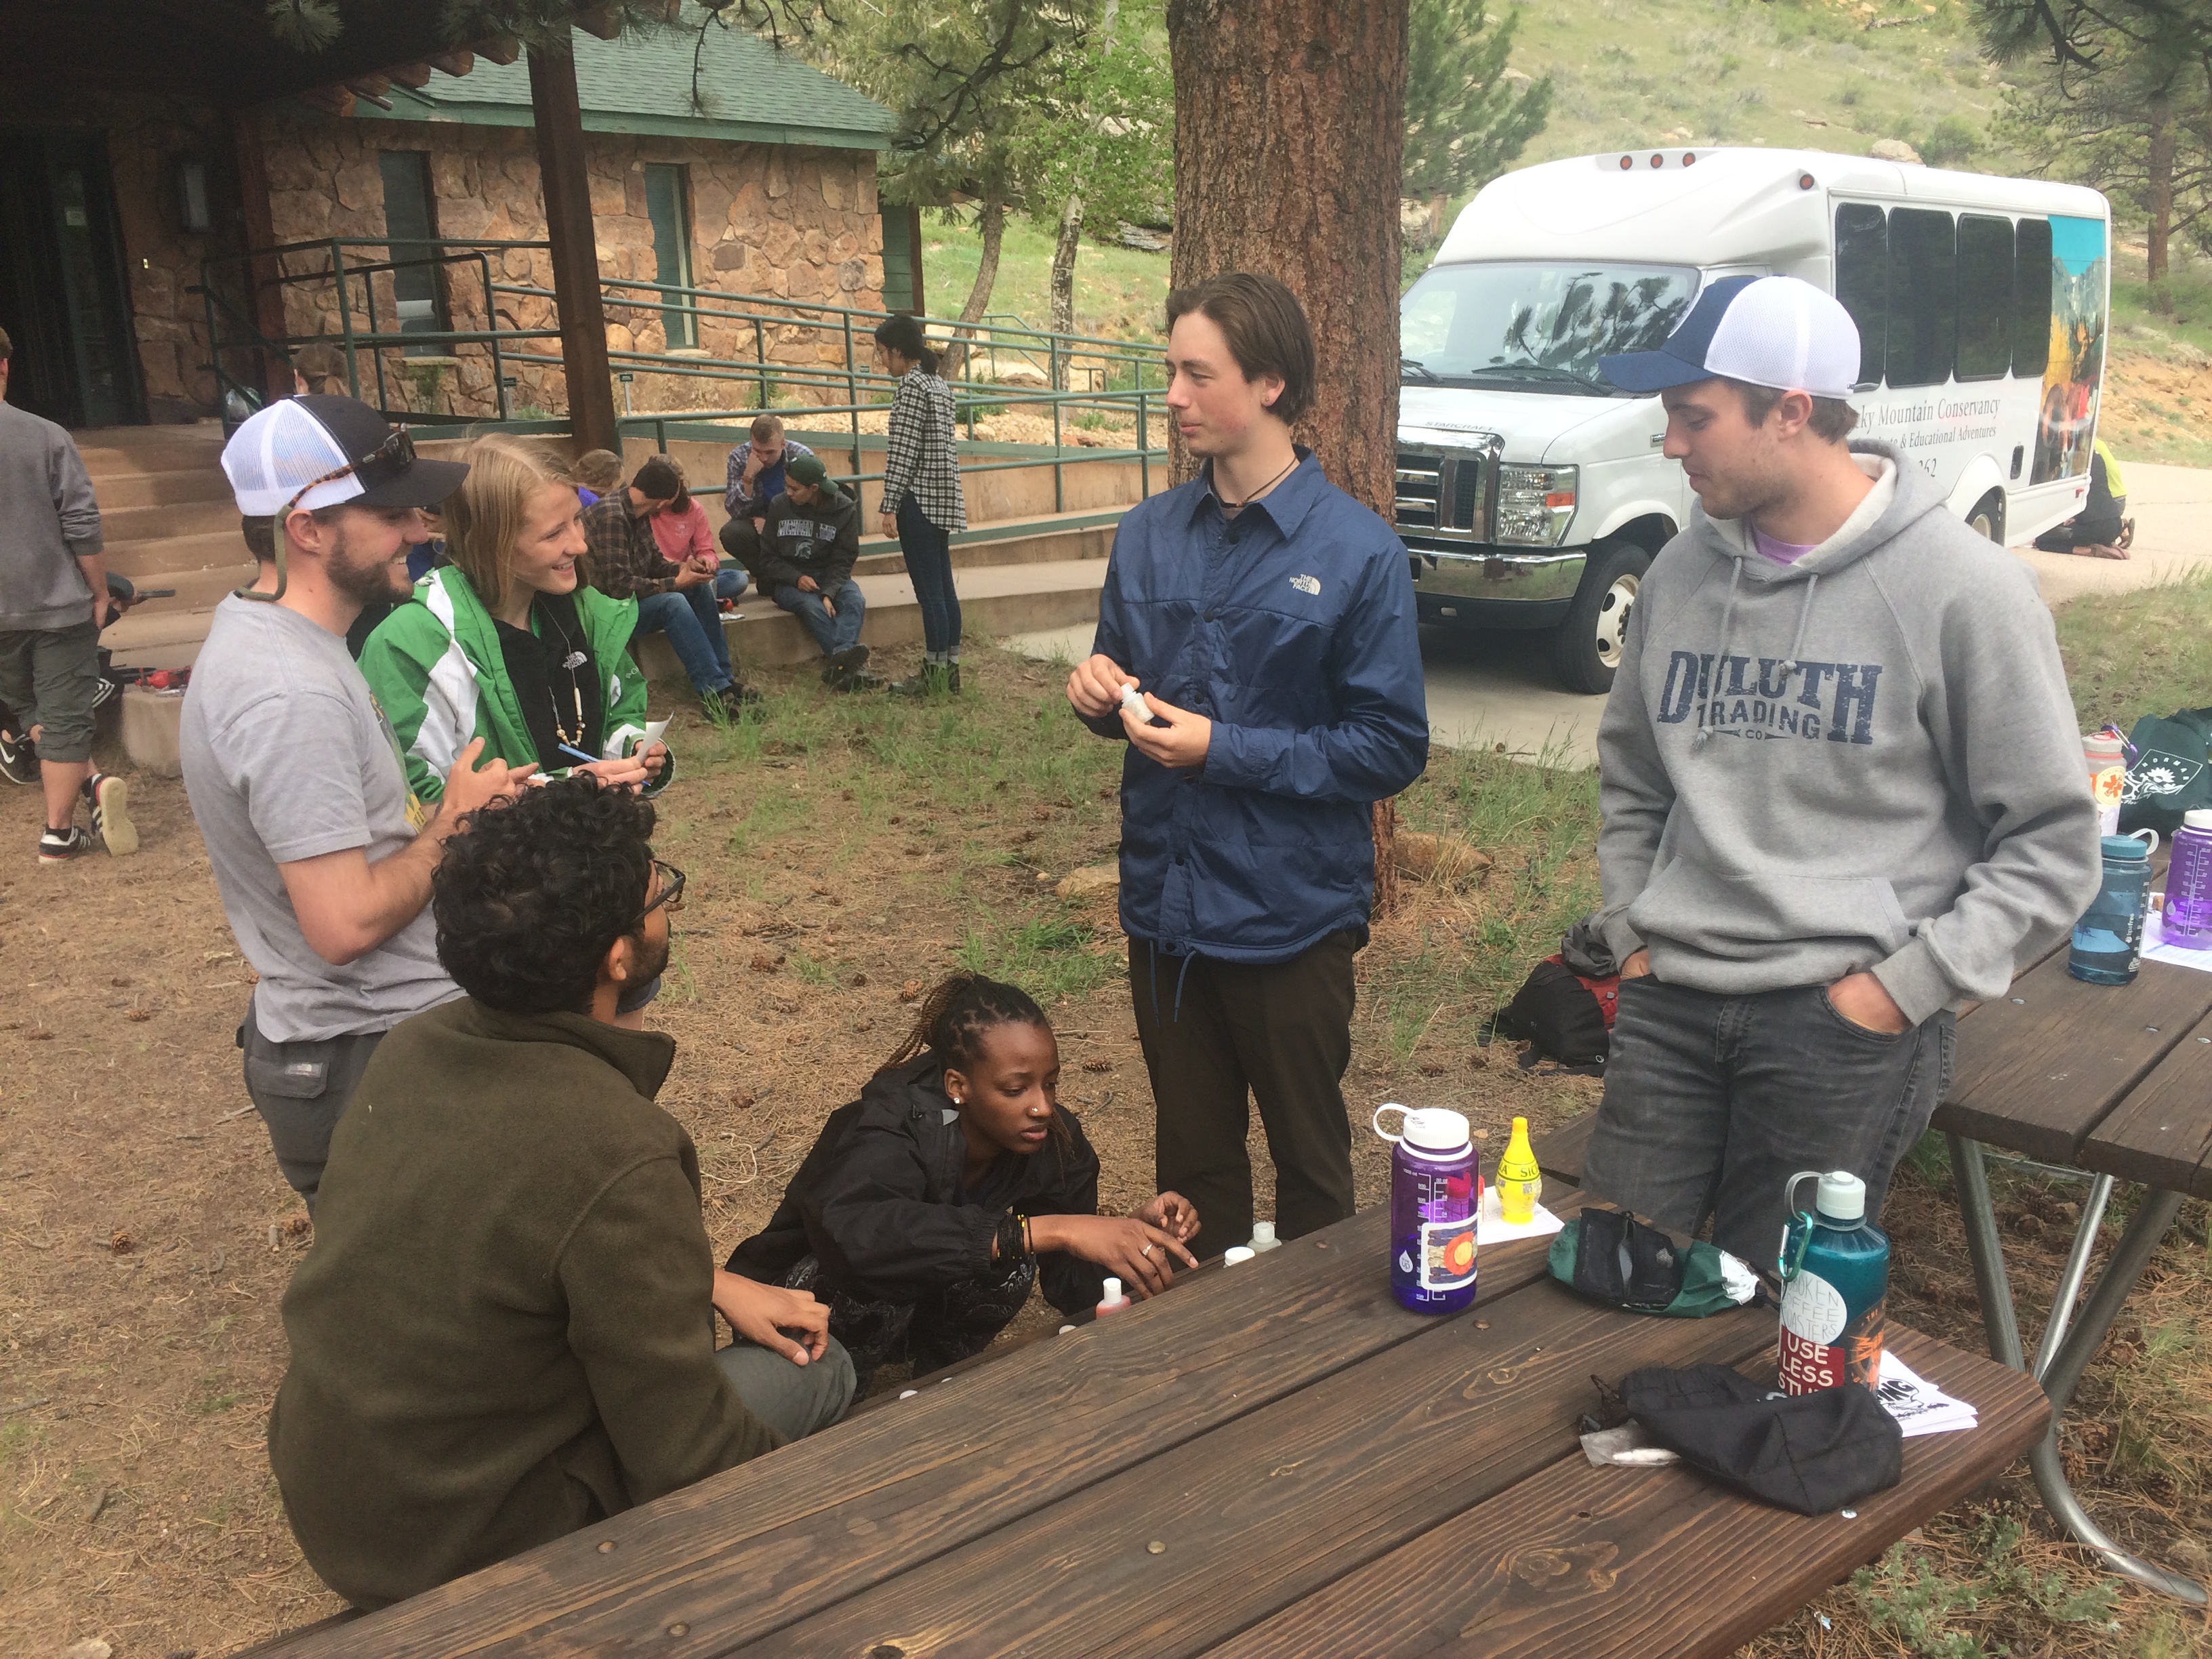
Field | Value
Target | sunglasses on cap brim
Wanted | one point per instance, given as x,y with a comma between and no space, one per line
389,460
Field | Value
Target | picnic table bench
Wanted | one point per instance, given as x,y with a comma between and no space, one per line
2114,1082
1272,1458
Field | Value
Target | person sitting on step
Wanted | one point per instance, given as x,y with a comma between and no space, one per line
929,1207
805,565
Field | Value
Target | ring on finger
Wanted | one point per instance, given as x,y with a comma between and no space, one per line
1147,1250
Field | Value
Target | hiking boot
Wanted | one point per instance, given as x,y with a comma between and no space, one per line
60,846
862,681
931,679
19,758
111,813
842,665
952,677
737,701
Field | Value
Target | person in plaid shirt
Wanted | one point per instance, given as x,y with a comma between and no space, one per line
679,599
922,504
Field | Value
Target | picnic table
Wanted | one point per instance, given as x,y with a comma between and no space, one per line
2111,1082
1272,1458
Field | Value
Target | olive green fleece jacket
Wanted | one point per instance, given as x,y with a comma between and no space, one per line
503,1330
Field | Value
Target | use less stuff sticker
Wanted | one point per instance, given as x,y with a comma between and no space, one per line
1822,1347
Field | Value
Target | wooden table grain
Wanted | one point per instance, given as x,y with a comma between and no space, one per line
1274,1458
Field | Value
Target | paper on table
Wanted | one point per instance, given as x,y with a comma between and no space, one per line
2155,949
1919,1407
1492,1228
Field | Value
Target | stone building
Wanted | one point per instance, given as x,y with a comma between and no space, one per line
116,205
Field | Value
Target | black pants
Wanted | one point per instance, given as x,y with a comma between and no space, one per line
742,542
938,1330
2086,528
300,1090
1217,1033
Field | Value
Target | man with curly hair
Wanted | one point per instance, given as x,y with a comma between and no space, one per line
504,1331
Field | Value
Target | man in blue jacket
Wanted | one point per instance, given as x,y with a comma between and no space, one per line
1267,619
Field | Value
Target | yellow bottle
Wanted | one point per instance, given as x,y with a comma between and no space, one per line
1520,1183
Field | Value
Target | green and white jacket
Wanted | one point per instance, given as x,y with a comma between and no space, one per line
435,666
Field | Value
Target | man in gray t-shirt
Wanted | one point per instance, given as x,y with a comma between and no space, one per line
322,853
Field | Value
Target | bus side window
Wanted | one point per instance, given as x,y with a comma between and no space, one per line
1986,307
2030,299
1924,296
1863,281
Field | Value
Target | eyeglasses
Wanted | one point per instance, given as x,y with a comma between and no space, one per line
380,465
671,893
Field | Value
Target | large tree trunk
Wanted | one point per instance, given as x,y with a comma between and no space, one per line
1063,280
992,220
1289,151
2160,165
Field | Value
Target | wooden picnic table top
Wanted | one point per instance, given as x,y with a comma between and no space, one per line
1274,1458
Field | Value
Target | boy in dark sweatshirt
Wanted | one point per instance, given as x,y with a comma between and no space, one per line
809,541
505,1329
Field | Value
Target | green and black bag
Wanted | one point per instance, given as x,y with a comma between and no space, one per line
2169,774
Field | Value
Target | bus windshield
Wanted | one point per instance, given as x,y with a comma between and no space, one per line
1536,326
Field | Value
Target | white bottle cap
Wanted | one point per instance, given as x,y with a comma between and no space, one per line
1237,1252
1841,1196
2199,819
1113,1287
1263,1232
1436,1129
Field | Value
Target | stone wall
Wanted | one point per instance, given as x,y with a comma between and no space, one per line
797,224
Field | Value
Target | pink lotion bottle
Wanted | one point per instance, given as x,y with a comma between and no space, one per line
1114,1300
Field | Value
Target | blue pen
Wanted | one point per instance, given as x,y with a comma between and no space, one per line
588,760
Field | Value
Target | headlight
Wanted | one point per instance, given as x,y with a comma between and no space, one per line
1535,504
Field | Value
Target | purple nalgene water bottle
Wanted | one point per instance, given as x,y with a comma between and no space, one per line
1436,1192
2188,918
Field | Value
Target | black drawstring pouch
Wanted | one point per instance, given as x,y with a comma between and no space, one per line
1811,1453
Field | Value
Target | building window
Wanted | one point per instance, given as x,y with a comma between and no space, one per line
902,259
1863,281
1924,296
668,203
2031,300
411,220
1985,263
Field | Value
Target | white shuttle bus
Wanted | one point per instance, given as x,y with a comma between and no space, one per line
1532,494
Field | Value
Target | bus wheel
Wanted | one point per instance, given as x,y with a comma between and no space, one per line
1586,649
1987,518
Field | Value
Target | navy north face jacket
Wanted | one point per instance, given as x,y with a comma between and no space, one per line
1291,627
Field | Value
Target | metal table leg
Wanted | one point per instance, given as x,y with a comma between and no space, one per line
2065,1353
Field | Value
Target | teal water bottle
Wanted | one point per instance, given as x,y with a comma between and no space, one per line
2108,939
1835,1286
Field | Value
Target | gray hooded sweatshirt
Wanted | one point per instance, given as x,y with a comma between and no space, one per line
48,522
1866,760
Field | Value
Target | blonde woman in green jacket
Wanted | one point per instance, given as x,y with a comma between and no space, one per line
507,644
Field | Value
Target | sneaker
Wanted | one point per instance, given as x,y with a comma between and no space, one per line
60,846
843,664
19,758
111,813
928,680
862,681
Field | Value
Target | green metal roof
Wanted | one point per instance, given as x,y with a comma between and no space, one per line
642,83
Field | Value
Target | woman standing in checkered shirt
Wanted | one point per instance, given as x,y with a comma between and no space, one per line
922,504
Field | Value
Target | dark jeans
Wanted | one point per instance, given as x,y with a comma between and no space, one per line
833,634
692,619
300,1090
931,1332
1712,1103
2085,530
741,541
1214,1032
928,553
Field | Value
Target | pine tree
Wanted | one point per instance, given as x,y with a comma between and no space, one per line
1466,123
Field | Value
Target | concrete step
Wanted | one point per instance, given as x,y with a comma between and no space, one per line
151,562
105,460
166,521
995,601
125,491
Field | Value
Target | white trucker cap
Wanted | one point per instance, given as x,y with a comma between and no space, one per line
281,449
1776,331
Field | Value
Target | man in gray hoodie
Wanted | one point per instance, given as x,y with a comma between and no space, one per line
1841,779
53,602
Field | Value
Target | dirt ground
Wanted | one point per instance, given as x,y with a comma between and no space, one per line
834,855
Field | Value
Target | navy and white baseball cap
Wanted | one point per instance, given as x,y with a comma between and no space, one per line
1776,331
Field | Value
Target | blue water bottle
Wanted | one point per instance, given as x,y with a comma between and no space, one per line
1436,1193
1835,1286
2108,939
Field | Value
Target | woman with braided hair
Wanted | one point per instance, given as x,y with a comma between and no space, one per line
929,1207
